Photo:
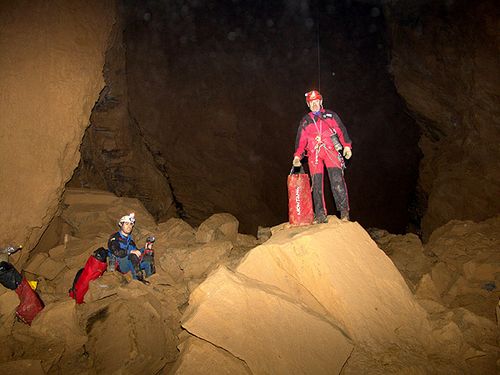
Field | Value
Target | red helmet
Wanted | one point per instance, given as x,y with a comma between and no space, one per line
313,95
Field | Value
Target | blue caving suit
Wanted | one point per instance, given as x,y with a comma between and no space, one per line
120,247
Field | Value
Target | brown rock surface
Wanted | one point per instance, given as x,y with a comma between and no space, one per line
267,329
59,320
468,271
115,156
93,214
51,63
133,329
281,310
218,227
337,268
445,62
196,354
407,253
22,366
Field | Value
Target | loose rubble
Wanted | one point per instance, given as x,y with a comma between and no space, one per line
226,302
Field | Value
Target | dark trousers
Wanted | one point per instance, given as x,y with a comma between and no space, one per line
339,191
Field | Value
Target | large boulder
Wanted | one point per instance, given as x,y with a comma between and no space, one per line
337,269
134,330
222,226
51,63
312,288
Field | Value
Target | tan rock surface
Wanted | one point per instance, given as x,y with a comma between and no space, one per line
8,304
218,227
270,331
337,268
59,320
47,96
196,354
199,261
177,230
131,330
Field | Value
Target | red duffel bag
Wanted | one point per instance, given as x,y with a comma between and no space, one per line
93,269
300,206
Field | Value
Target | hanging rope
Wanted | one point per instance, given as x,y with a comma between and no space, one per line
319,49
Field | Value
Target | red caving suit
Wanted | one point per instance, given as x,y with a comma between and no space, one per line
315,137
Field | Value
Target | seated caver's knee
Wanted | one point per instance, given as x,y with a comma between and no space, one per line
133,258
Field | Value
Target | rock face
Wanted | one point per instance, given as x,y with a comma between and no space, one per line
51,63
445,63
115,156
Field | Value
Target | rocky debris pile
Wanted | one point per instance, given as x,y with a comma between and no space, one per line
265,315
123,322
456,278
279,307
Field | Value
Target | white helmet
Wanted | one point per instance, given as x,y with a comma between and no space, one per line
130,218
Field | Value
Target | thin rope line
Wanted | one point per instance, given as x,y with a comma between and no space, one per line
318,48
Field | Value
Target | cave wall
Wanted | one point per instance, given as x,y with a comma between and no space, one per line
446,65
218,94
115,156
51,60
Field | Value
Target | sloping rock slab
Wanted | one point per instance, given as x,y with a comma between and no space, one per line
338,268
197,354
268,330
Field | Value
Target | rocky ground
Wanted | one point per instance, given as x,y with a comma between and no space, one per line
318,299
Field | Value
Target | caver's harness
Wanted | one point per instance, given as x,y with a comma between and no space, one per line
321,145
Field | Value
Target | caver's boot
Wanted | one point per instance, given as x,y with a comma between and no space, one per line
344,215
320,218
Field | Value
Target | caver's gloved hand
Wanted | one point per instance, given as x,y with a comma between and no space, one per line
347,152
296,162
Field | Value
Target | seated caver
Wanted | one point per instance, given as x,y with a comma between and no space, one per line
128,257
122,254
30,303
